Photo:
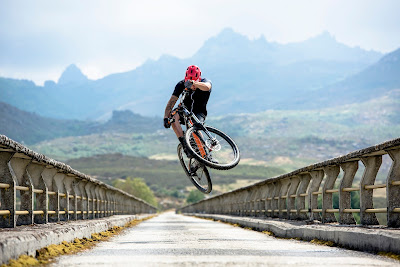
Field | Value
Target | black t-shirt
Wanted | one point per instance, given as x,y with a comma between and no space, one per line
200,98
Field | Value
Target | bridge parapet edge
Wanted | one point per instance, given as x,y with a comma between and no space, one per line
38,189
295,195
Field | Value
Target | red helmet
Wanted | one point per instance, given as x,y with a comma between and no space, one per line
193,73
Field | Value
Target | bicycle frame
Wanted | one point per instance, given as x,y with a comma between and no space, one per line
189,117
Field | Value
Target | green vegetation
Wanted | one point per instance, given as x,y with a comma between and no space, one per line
194,196
136,187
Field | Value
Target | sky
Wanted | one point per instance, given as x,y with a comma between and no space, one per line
39,39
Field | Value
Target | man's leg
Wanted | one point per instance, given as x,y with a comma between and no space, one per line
176,126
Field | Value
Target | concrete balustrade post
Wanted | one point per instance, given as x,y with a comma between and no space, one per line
268,202
246,205
8,195
98,201
236,204
349,169
62,213
136,207
129,204
111,206
263,197
227,204
252,199
393,191
95,201
282,201
116,203
18,169
257,201
108,202
142,208
120,207
232,205
248,199
275,199
84,203
240,203
305,179
79,198
210,207
224,205
71,196
34,171
316,179
89,189
372,165
331,173
103,202
220,205
52,199
291,201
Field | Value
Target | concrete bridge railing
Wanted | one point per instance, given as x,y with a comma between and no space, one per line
37,189
295,195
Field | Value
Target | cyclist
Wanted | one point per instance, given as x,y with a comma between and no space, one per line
197,102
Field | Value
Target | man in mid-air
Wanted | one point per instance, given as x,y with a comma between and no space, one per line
197,103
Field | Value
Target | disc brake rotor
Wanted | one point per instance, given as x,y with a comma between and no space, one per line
213,145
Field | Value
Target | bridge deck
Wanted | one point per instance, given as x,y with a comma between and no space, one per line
172,239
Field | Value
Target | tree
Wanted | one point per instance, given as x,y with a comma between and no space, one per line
136,187
194,196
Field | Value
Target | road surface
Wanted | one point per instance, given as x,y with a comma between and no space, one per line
176,240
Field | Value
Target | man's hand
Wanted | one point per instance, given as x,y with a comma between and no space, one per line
188,84
166,123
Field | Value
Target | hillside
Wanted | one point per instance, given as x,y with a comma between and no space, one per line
30,128
247,75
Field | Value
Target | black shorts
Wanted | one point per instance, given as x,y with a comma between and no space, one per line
200,116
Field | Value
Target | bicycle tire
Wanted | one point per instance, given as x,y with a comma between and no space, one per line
203,185
230,148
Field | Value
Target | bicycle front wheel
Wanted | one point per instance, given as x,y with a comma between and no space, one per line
196,171
215,148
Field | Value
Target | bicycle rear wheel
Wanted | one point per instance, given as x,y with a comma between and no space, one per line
218,151
196,171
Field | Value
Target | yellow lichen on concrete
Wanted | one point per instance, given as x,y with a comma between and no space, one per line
46,254
390,255
324,243
268,233
23,260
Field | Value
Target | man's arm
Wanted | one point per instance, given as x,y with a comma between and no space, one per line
170,105
202,86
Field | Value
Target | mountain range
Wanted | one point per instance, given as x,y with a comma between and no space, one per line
247,75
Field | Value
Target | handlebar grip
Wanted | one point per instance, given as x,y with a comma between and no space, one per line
188,84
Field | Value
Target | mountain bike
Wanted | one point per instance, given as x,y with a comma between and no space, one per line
209,147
